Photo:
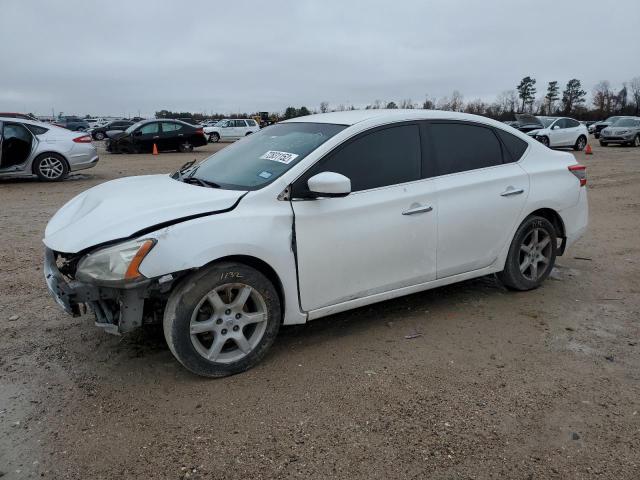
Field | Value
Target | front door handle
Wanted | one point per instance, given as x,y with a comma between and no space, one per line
418,209
512,191
157,136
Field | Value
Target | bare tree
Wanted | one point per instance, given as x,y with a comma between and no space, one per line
507,101
602,94
477,107
457,101
324,107
406,103
634,84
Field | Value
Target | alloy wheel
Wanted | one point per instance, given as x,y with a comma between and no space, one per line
51,167
636,141
581,143
228,323
535,253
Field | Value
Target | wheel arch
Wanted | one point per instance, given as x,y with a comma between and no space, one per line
557,222
261,266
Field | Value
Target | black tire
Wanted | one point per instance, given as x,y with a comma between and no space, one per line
247,134
512,276
99,136
603,144
192,292
214,137
50,167
581,143
636,141
544,141
185,147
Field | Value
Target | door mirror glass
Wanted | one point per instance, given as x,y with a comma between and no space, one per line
329,184
555,127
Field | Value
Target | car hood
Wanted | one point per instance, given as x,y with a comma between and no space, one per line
526,119
120,208
537,131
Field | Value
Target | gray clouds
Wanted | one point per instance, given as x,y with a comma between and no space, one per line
119,57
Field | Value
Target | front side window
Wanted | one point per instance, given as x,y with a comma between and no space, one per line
571,123
378,159
264,156
461,147
149,128
240,123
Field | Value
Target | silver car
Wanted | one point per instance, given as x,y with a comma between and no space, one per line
625,131
29,148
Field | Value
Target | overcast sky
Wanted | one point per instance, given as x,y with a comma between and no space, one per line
119,57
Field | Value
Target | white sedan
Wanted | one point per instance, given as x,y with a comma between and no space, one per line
561,132
310,217
231,129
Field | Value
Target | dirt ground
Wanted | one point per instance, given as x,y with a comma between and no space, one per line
542,384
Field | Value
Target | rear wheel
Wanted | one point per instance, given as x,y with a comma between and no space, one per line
532,255
222,321
99,136
636,141
603,144
581,142
50,167
185,147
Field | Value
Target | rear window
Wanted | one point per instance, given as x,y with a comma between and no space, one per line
515,146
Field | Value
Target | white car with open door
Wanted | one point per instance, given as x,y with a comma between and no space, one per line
557,132
31,148
231,129
310,217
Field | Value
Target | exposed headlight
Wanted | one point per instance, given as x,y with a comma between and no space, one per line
623,132
117,263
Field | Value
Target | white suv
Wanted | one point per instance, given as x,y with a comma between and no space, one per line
231,129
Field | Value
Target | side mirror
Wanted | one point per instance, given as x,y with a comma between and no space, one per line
329,184
556,127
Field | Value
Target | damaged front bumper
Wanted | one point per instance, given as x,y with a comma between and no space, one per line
117,310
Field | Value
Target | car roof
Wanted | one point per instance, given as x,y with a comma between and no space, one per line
24,120
352,117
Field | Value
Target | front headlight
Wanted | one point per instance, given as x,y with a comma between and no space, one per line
117,263
623,132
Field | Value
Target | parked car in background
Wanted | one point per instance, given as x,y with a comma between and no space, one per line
100,133
165,134
231,129
75,124
625,131
599,126
526,122
310,217
561,132
23,116
31,148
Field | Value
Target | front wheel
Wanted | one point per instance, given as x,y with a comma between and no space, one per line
544,141
214,137
581,142
636,141
222,320
532,255
99,136
603,144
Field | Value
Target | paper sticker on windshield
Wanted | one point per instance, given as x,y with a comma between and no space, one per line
282,157
265,174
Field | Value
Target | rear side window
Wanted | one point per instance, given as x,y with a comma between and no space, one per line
515,146
461,147
570,123
37,130
170,127
378,159
240,123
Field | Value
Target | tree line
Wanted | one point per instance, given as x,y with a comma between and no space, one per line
571,101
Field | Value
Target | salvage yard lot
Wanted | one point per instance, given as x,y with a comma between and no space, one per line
498,385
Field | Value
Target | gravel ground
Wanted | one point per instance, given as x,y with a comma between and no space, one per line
542,384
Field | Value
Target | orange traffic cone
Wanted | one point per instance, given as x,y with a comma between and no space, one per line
155,149
588,151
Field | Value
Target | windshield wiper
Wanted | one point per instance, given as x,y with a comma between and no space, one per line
199,181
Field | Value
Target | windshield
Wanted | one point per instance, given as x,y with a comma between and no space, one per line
262,157
547,121
134,126
625,122
612,119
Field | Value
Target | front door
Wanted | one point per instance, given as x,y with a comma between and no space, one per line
227,130
149,134
380,237
481,193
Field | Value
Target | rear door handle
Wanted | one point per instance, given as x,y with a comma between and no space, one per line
512,191
418,209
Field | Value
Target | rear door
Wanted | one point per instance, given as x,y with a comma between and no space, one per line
481,193
240,128
16,147
170,135
380,237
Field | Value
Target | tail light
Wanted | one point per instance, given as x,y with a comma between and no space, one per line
199,131
580,171
83,139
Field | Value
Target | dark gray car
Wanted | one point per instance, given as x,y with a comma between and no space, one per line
625,131
73,123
